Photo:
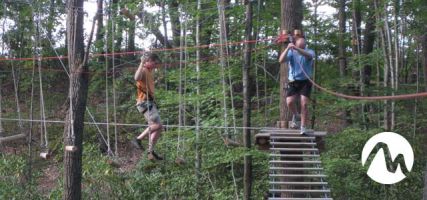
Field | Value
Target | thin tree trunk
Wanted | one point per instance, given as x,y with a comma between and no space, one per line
391,115
100,19
175,22
222,54
247,177
198,149
73,131
381,30
51,18
342,59
424,56
341,47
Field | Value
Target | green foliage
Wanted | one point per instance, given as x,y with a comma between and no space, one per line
348,179
13,178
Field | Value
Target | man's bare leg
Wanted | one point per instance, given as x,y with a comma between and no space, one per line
291,104
304,110
144,133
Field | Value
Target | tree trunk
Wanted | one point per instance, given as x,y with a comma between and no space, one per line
174,20
73,131
198,149
131,36
100,19
247,178
368,44
424,56
381,30
341,47
222,54
51,18
291,18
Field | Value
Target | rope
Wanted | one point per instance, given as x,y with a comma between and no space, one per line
371,98
133,125
235,43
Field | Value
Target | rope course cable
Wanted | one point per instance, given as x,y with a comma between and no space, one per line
369,98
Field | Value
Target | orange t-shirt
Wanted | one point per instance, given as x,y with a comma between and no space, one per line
145,86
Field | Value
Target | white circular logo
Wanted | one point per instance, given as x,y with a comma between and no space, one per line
393,145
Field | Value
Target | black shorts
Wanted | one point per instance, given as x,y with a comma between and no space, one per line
299,87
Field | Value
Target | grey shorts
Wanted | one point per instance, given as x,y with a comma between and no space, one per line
150,112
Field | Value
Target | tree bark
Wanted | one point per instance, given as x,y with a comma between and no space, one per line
341,47
73,131
291,18
100,20
247,177
175,22
198,163
424,56
368,44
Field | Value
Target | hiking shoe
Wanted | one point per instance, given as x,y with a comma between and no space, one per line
153,156
305,131
137,144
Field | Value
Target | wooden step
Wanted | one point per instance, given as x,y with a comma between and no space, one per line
298,175
293,198
295,155
299,183
295,149
296,132
297,168
295,162
292,138
294,143
298,191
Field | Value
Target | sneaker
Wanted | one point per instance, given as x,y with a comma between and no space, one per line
137,144
153,156
294,122
305,131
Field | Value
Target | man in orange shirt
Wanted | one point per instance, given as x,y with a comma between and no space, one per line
146,104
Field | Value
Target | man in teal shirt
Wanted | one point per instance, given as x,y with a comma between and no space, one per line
298,57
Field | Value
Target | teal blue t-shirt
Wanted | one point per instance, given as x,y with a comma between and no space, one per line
295,59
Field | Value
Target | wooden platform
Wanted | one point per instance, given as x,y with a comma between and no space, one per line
295,168
263,137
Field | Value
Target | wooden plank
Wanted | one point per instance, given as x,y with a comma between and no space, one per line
297,168
298,175
294,143
299,183
294,149
13,137
295,155
296,132
298,191
295,161
292,138
293,198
